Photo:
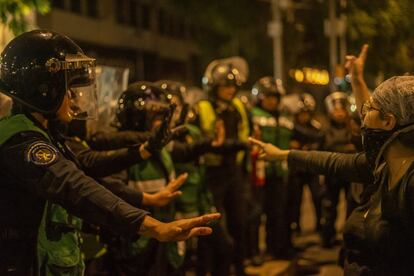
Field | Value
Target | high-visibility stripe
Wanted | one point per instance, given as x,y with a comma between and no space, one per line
148,186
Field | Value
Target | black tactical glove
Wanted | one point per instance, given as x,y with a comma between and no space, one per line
179,132
163,134
183,115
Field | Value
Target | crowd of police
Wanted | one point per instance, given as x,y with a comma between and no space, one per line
177,187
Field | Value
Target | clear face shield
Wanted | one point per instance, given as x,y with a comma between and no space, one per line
81,87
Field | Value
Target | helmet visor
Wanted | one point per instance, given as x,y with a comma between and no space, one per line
81,85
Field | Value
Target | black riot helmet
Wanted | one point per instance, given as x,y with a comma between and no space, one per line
139,105
225,72
268,86
338,100
173,88
306,103
38,68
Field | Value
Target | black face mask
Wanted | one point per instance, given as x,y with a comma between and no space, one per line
356,140
372,141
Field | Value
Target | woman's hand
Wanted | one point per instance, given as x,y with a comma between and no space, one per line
167,194
178,230
355,65
269,152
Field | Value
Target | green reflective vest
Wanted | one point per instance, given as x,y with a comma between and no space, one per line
208,122
196,199
58,238
275,131
150,176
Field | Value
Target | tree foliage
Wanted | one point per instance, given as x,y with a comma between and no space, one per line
232,27
388,26
13,12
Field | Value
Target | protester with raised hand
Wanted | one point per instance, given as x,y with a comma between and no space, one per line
378,235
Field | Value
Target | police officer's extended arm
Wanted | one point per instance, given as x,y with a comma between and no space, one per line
118,187
117,140
177,230
163,134
139,199
42,170
352,167
104,163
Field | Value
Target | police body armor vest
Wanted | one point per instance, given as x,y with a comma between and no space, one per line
58,238
151,176
208,122
196,199
277,131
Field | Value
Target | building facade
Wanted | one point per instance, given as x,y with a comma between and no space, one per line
147,36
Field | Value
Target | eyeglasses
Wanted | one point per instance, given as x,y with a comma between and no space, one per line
367,107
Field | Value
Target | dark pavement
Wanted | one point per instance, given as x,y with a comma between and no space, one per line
312,255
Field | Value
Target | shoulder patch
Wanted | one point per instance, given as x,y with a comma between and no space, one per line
41,154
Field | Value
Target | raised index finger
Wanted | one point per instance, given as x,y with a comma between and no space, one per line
364,51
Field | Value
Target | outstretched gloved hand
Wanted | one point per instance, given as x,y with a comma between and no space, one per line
163,134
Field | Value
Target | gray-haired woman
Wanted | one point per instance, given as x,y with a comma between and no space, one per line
379,235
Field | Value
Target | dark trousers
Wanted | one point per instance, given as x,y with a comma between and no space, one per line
151,262
229,188
330,202
296,183
18,258
255,211
278,238
214,253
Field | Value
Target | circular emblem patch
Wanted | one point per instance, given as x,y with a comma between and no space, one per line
41,154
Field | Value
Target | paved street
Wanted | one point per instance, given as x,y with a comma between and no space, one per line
313,253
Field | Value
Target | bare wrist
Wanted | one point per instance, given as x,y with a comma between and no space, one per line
358,80
148,227
143,152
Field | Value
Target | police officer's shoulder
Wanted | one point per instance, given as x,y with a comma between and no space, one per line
33,147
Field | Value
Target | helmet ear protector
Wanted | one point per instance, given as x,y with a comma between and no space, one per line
140,105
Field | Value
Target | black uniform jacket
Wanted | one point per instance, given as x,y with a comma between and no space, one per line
379,235
27,181
102,165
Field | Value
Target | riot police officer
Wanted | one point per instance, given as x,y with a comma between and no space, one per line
307,135
222,110
275,128
338,138
50,79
